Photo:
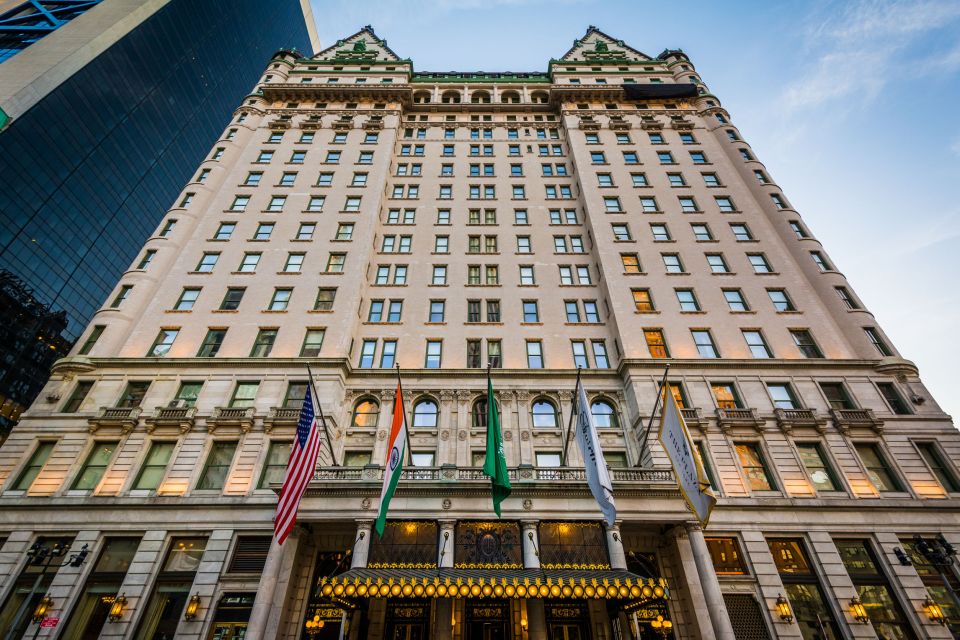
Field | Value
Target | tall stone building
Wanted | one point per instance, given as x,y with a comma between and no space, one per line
605,215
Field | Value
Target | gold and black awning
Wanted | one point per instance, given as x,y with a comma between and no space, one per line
611,584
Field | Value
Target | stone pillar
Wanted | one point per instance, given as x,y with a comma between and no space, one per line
531,545
263,603
361,547
536,620
618,558
712,596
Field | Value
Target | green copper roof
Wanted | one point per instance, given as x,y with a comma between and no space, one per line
480,76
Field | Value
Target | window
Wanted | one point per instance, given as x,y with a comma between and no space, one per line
34,465
805,343
232,298
893,398
437,309
527,276
548,460
425,414
77,397
312,343
671,261
726,556
352,203
605,180
756,343
315,205
735,300
154,466
366,414
741,232
630,157
344,232
214,475
598,157
941,469
163,342
534,354
759,263
121,296
621,232
441,244
376,311
847,298
240,203
133,394
798,229
701,232
725,204
580,360
639,180
520,217
813,615
148,256
211,343
782,395
818,470
778,201
877,467
523,244
224,231
280,300
265,157
545,415
275,466
656,344
600,354
611,204
95,466
707,466
335,262
433,354
439,277
726,395
661,233
649,205
665,157
781,301
704,343
820,261
711,179
631,263
688,205
604,415
642,300
754,467
263,343
288,178
249,263
873,587
264,231
687,300
388,354
874,336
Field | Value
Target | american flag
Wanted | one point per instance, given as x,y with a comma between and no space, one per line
303,461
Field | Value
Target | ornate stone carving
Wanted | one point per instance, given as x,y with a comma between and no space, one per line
523,395
525,435
464,394
508,435
565,396
381,435
528,504
446,504
445,435
365,503
447,396
462,435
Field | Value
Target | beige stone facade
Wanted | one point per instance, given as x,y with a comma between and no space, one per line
607,215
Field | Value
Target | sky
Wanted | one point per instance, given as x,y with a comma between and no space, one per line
851,105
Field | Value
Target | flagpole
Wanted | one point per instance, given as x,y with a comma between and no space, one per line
406,432
656,405
573,412
323,421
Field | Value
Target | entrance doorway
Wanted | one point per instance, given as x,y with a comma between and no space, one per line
408,620
486,619
566,620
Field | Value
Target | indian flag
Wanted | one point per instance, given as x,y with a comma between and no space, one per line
396,451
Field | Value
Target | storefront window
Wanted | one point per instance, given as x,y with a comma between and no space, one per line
811,612
581,545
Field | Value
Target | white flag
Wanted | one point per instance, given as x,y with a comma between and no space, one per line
691,477
596,467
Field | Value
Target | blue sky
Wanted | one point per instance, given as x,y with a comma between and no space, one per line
851,105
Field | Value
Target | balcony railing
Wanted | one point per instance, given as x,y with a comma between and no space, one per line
738,417
374,473
847,418
787,419
125,418
181,417
241,417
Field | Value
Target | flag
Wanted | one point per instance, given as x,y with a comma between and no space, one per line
303,461
594,463
691,477
495,463
396,450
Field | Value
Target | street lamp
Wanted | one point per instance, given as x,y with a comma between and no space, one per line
783,609
661,626
314,625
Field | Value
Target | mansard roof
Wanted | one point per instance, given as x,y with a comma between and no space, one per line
362,46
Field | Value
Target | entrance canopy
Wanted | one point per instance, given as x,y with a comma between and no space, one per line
632,590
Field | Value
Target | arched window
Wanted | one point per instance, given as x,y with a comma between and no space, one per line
604,415
425,414
450,97
421,97
538,97
545,415
479,415
480,97
511,97
366,413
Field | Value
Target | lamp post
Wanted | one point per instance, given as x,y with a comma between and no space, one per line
42,555
942,555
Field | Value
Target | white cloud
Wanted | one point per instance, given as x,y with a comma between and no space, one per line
860,50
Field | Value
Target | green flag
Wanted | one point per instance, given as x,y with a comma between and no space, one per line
495,463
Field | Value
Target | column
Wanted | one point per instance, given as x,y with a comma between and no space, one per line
442,629
618,558
536,617
361,546
716,608
263,603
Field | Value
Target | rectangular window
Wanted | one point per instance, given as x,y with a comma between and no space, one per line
527,276
335,262
95,466
631,263
813,615
280,300
893,398
874,336
600,354
580,360
781,301
656,343
275,466
249,263
782,395
92,339
837,396
34,465
735,300
701,232
754,467
687,300
873,587
211,343
660,232
367,353
312,343
759,263
121,296
433,354
163,342
939,467
877,467
77,397
726,395
672,263
214,475
154,466
726,556
820,261
756,343
534,354
704,343
642,300
805,343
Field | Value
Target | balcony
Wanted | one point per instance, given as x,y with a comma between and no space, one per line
173,415
693,417
788,419
281,417
238,417
846,419
123,418
739,417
